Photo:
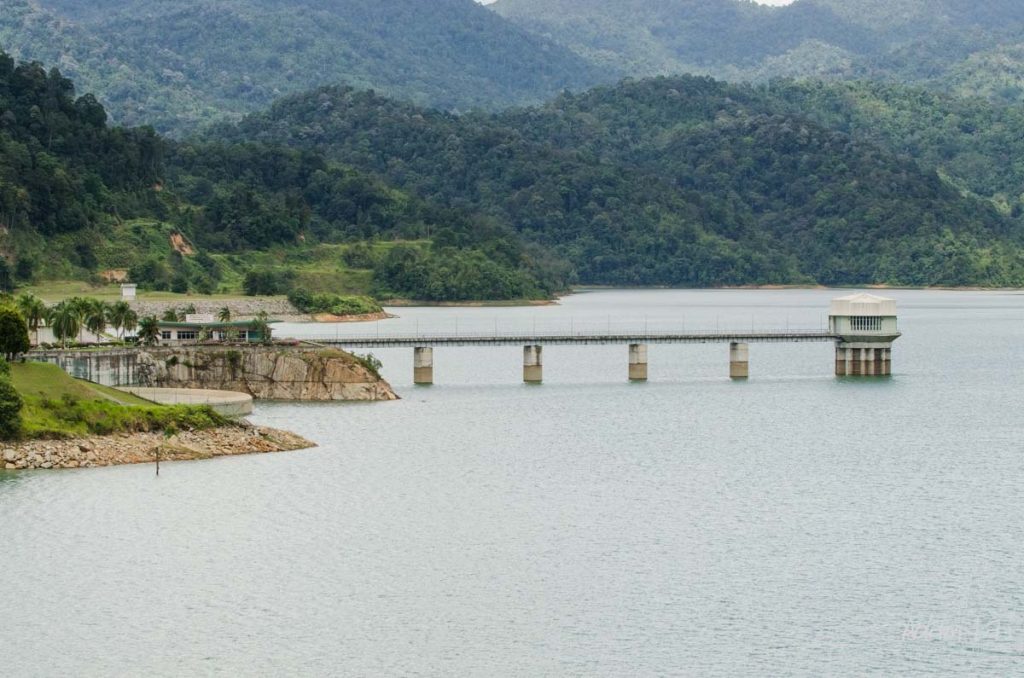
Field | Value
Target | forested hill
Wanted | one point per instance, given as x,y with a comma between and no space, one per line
78,197
675,181
668,181
963,46
175,63
975,144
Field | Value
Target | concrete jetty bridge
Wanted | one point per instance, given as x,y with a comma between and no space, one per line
862,326
417,339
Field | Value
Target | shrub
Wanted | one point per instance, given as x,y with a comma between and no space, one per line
354,306
10,410
306,302
267,282
371,362
151,273
360,255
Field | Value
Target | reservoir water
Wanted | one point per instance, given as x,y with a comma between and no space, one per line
794,524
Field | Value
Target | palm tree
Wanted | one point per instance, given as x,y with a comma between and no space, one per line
64,320
149,330
81,307
130,322
96,317
118,314
33,309
225,315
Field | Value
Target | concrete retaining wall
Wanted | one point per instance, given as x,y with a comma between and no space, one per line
106,367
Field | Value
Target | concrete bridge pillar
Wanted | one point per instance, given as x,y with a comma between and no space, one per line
739,360
884,361
423,365
533,364
638,362
863,360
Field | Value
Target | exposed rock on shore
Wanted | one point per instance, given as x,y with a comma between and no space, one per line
264,372
267,373
141,448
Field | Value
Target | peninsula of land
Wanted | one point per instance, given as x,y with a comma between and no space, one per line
147,447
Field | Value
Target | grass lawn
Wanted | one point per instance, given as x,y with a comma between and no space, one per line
58,406
43,380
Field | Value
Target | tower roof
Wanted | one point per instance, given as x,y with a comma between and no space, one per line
863,304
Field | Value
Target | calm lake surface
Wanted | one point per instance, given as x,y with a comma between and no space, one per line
794,524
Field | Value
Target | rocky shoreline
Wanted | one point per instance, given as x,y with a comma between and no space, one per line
142,448
364,318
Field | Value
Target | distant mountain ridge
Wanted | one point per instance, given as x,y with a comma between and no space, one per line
177,63
965,47
679,181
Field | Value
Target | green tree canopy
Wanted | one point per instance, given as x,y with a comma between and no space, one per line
13,332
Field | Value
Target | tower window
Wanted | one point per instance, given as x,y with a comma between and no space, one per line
862,323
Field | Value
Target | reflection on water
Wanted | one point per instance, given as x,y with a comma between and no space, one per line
792,524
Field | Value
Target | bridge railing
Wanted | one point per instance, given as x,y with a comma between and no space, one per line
540,337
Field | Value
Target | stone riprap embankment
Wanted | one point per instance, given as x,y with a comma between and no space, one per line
141,448
241,309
